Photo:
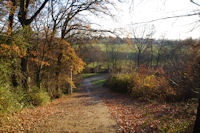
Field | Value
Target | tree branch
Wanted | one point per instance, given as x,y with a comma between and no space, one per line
164,18
194,2
37,12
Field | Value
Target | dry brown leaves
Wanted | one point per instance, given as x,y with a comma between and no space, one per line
27,119
136,116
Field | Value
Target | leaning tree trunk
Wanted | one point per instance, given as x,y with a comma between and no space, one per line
197,121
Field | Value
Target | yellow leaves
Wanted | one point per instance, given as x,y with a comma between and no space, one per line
130,42
71,58
23,53
68,80
171,91
148,85
160,70
33,53
1,51
149,81
8,50
5,46
89,28
9,5
51,57
40,62
65,43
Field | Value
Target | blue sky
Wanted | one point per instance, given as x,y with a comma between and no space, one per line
130,12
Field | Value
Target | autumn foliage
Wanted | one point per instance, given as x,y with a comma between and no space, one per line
146,84
42,69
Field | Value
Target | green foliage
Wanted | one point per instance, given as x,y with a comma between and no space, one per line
90,75
37,96
9,101
57,93
119,83
5,71
14,100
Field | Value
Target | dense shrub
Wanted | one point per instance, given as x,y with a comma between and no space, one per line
14,100
145,86
58,93
151,87
119,83
37,96
9,101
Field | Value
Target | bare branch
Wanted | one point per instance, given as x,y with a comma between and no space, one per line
170,17
38,11
194,2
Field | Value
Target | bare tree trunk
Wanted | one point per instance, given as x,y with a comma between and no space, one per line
13,76
151,55
38,77
157,60
138,58
58,69
108,67
24,65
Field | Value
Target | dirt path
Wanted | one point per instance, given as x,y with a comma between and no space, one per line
84,112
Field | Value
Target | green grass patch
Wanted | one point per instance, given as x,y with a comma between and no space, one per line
90,75
92,65
98,83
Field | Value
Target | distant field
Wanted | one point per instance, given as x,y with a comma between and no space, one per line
125,55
